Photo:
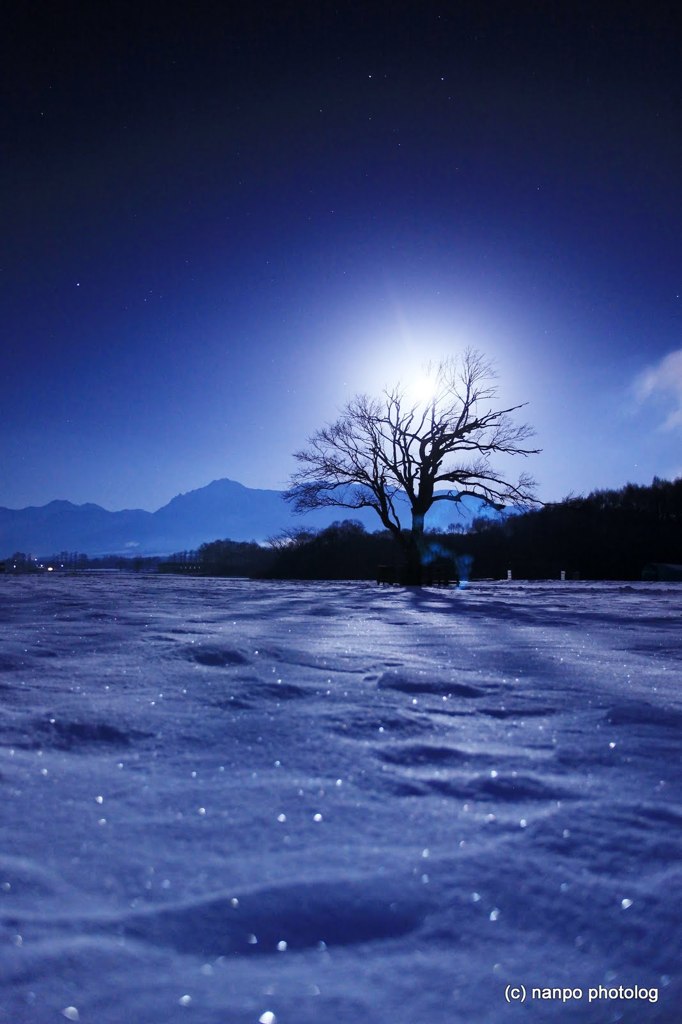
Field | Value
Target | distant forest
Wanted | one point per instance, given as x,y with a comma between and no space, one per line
629,534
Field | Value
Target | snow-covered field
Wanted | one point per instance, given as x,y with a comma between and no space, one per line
226,802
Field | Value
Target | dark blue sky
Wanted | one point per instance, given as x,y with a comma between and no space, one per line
220,224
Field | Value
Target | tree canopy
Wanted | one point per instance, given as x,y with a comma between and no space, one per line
435,449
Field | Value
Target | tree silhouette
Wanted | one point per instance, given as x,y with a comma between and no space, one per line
434,449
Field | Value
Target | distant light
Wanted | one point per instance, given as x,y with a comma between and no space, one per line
50,569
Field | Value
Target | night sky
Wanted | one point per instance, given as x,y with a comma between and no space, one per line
219,224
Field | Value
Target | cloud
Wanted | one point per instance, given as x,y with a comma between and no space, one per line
663,382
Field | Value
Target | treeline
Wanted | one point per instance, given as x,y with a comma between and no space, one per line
233,558
610,535
628,534
344,550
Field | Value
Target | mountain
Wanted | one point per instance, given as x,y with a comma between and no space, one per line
222,509
63,526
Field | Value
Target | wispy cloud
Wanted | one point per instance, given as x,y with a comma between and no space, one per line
663,381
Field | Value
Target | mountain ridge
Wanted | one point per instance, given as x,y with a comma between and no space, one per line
222,509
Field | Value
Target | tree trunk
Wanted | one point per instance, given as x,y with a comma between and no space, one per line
415,551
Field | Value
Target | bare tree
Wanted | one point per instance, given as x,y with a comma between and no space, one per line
438,449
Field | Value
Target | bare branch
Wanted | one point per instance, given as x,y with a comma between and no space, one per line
380,448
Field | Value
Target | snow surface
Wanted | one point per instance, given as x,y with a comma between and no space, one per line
227,802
